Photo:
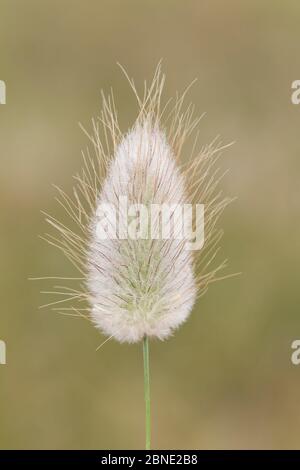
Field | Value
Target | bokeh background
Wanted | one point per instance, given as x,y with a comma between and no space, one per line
225,380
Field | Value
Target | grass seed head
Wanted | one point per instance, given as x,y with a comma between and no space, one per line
145,286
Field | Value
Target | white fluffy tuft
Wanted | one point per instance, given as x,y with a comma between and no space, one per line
141,287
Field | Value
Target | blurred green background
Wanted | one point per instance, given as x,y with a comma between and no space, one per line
225,380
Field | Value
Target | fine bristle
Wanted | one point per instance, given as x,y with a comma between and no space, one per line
135,287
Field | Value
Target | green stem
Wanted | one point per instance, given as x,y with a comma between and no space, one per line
147,391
